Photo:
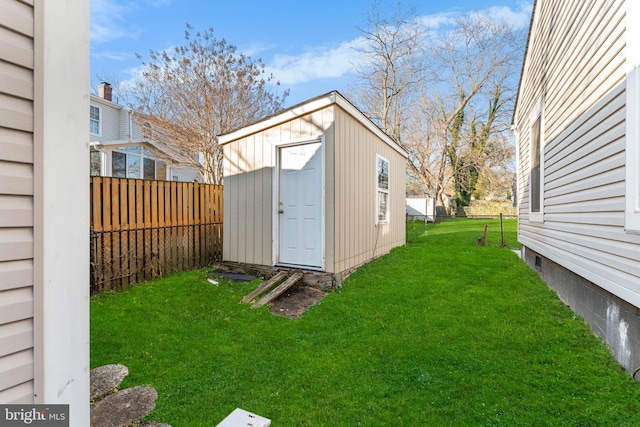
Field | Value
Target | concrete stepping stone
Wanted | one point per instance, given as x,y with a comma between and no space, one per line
105,378
124,407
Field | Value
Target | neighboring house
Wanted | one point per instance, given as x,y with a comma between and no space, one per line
44,220
121,148
317,186
577,120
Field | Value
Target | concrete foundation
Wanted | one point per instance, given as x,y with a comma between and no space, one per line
612,319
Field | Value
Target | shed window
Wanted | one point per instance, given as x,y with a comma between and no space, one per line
382,192
94,120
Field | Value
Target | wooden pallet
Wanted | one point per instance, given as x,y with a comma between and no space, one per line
264,287
292,280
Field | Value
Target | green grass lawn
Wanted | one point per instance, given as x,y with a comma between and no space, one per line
438,332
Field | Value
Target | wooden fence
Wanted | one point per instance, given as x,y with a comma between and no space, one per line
143,229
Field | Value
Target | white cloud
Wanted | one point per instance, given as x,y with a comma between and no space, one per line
516,18
108,22
254,49
435,21
321,62
112,56
315,64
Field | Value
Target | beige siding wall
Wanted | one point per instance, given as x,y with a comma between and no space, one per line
351,234
358,238
16,202
575,66
248,186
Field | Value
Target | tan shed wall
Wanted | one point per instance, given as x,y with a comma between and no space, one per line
578,70
16,202
357,237
350,149
249,185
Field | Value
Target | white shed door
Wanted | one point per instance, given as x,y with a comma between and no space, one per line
300,205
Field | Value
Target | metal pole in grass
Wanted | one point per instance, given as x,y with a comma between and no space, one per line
501,232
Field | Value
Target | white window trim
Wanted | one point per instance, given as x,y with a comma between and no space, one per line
538,112
632,204
99,120
378,190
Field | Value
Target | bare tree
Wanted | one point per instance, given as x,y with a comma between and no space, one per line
392,52
475,66
451,103
192,94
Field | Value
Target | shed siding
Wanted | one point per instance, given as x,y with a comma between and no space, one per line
358,238
16,202
575,64
351,235
249,176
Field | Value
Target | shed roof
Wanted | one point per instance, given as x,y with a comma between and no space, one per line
307,107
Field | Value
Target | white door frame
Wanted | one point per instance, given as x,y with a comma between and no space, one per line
275,203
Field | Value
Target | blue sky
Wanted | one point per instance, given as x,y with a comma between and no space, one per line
308,46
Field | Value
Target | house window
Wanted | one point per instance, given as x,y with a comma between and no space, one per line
536,173
94,120
96,159
382,190
161,170
134,162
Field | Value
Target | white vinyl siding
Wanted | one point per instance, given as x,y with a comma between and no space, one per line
632,208
16,202
575,63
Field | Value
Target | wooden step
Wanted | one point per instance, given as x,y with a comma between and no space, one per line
279,290
264,287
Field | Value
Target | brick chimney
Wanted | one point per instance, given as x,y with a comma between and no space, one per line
105,91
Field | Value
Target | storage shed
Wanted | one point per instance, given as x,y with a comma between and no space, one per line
315,187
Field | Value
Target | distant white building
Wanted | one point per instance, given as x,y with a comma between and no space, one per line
121,148
421,208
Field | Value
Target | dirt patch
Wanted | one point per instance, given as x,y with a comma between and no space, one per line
295,302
